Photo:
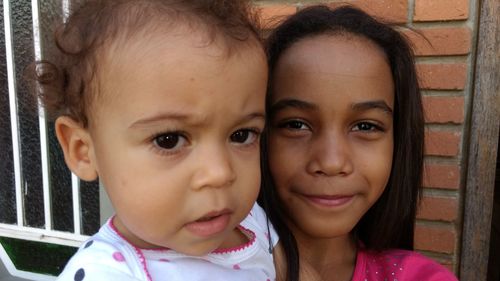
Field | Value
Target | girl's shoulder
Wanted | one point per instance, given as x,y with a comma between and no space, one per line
398,265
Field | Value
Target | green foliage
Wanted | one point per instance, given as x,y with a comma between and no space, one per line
37,257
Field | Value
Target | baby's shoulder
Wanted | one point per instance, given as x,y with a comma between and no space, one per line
399,265
258,222
98,259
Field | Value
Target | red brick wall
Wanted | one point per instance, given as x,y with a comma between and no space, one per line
444,66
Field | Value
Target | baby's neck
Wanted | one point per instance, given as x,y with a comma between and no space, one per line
333,259
236,239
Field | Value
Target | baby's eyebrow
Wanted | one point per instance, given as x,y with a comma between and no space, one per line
180,117
295,103
159,117
376,104
255,115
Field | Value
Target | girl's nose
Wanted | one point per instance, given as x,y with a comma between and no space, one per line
330,156
214,169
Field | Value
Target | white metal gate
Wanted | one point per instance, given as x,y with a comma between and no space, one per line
40,200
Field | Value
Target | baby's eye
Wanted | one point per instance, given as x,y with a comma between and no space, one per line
170,141
294,125
366,126
244,136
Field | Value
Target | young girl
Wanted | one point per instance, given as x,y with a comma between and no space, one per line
345,148
163,101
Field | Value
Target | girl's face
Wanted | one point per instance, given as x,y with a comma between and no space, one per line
175,132
331,141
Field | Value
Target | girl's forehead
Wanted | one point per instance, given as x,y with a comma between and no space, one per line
324,49
329,69
328,57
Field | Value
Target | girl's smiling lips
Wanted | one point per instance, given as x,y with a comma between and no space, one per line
328,201
210,224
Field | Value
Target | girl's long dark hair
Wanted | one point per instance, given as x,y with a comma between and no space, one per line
390,222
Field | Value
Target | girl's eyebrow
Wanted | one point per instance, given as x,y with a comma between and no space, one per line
295,103
377,104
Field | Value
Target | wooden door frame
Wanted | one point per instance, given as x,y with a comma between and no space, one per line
482,147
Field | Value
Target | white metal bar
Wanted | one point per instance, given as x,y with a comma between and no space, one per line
75,181
75,188
36,29
44,148
11,80
65,9
41,235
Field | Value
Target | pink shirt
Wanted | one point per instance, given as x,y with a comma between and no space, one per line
398,265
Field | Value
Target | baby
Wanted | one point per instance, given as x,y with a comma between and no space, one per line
163,101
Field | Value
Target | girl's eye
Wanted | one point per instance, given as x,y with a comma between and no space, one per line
170,141
294,125
366,126
244,136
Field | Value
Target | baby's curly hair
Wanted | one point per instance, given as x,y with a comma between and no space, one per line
65,85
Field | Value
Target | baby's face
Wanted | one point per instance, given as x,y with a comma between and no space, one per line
175,130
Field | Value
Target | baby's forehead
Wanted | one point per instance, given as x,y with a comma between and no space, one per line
133,21
186,33
165,54
140,47
96,30
178,35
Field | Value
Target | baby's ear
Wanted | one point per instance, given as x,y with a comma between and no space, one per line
77,146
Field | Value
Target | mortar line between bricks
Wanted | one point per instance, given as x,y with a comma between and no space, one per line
441,24
443,193
446,159
437,255
443,160
443,93
445,225
462,59
449,125
411,10
444,127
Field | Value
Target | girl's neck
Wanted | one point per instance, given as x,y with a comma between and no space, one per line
332,258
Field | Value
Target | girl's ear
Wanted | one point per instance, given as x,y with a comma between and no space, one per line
77,146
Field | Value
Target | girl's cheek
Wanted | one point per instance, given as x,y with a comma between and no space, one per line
280,148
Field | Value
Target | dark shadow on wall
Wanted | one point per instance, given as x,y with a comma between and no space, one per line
494,259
